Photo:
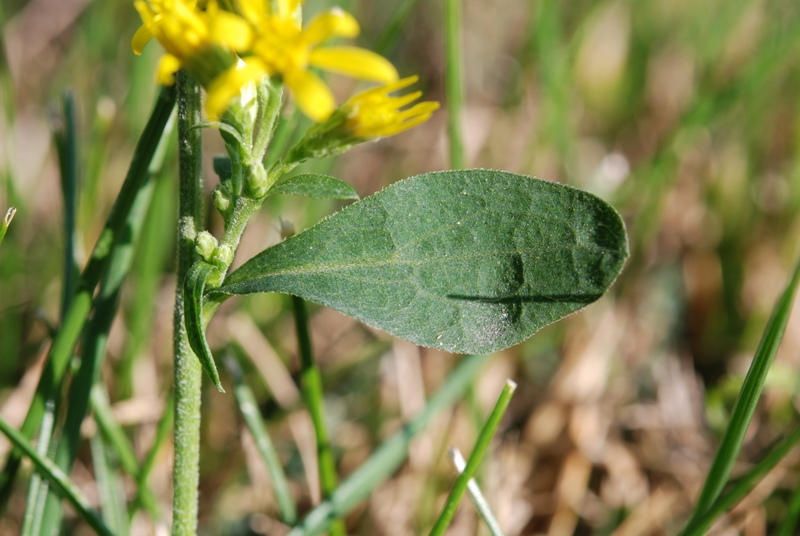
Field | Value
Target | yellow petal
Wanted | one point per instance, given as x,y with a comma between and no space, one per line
380,93
229,85
289,9
140,39
355,62
167,67
231,30
399,102
145,13
254,10
311,94
333,23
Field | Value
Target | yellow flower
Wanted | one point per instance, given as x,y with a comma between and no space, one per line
290,51
203,41
375,114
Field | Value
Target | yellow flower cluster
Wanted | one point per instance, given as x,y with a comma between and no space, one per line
227,50
375,113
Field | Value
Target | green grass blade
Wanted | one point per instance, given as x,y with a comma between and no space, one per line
109,487
248,406
454,84
123,450
6,221
789,525
746,402
745,485
37,488
311,388
66,141
484,438
390,455
65,137
144,496
475,494
72,326
57,479
113,431
153,253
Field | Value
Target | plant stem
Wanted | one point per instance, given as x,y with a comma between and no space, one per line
454,84
188,373
311,386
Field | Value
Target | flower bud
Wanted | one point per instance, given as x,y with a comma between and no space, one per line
257,181
222,199
205,244
222,257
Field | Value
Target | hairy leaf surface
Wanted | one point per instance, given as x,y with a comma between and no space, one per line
467,261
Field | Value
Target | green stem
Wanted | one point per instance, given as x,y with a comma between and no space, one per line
391,454
311,386
188,372
454,84
474,460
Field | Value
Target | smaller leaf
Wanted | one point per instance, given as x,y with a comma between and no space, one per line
193,288
223,168
316,186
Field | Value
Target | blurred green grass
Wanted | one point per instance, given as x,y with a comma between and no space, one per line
684,115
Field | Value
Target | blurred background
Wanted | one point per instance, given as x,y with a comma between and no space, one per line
682,114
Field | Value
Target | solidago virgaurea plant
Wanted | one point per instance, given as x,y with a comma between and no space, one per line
466,261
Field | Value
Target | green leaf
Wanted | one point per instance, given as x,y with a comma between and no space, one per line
316,186
223,168
466,261
193,288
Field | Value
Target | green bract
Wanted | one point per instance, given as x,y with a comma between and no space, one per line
316,186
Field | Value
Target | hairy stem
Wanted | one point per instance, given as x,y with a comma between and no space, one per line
188,373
